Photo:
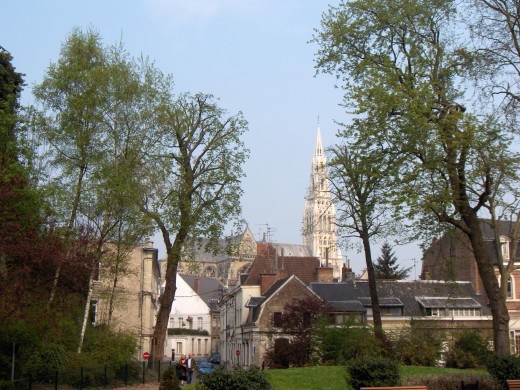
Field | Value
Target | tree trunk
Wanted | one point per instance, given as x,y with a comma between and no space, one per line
372,285
497,301
165,307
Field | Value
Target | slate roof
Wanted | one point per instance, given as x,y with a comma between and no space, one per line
407,291
302,267
209,288
443,302
199,251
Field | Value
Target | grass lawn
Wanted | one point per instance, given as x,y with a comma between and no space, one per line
333,377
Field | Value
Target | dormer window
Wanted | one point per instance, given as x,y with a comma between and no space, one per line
504,247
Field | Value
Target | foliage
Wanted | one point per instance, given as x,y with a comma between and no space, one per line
468,350
191,182
296,324
11,83
333,377
415,347
370,371
169,380
176,331
386,266
503,368
339,344
239,379
402,69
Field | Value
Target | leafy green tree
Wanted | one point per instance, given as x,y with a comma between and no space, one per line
11,83
386,266
402,71
359,176
97,103
191,182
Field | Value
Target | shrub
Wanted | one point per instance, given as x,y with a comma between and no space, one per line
451,381
237,379
370,371
468,350
169,380
338,345
503,368
415,347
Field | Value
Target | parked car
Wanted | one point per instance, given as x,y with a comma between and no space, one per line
215,358
204,367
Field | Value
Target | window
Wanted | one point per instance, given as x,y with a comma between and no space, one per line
93,312
179,347
504,247
277,319
510,291
205,346
181,322
199,323
199,346
172,322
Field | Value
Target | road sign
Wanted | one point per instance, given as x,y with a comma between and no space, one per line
146,355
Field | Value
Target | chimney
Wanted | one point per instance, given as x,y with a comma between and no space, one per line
148,243
325,274
347,274
196,286
266,281
327,257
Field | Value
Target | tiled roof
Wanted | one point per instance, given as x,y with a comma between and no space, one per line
407,291
444,302
383,301
347,306
209,288
303,267
255,301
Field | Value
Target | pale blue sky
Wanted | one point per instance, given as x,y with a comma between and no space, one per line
252,54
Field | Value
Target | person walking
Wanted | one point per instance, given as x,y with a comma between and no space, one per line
190,368
181,365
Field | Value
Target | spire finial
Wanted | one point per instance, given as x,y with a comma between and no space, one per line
318,119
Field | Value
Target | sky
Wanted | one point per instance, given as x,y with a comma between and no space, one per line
254,55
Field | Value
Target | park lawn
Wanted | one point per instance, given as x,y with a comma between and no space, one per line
333,377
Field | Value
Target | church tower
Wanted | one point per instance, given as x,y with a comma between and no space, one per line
319,215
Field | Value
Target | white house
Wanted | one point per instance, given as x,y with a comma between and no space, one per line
190,326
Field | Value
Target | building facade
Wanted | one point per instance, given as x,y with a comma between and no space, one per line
125,294
451,258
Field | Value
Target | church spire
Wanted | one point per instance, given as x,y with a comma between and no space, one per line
319,216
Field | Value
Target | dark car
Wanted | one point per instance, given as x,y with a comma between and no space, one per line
215,358
204,367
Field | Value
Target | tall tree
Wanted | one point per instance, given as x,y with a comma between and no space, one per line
11,83
386,266
97,102
401,67
359,176
191,182
495,29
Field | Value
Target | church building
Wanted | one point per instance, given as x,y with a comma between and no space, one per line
319,215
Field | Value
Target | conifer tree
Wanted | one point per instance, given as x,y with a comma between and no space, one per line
386,266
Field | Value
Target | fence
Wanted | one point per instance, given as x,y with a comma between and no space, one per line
107,376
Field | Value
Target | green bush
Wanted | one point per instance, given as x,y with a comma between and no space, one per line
370,371
169,380
338,345
237,379
415,347
503,368
468,350
6,385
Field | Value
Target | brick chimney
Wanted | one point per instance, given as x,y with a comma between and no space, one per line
196,286
266,281
325,274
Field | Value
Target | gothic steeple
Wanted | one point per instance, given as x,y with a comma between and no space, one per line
319,216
